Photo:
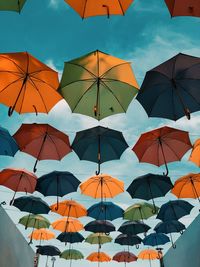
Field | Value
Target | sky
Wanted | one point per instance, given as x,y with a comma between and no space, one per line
146,36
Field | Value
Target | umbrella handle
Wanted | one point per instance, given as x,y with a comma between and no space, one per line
107,9
34,168
10,111
187,113
137,246
36,112
181,232
167,170
56,208
99,169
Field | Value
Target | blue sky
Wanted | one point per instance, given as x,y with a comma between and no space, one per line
146,36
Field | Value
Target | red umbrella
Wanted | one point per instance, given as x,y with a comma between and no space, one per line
183,7
42,141
162,145
19,180
125,257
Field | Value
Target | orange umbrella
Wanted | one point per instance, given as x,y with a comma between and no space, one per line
98,257
187,186
42,234
89,8
69,208
26,84
102,186
67,224
149,254
195,154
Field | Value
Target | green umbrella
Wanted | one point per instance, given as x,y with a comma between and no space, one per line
140,211
71,254
98,85
12,5
98,238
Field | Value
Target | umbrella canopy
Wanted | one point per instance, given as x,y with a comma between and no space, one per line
102,186
69,208
98,85
128,240
12,5
90,8
34,221
187,186
18,180
183,8
48,250
169,227
71,254
170,90
99,144
162,145
133,228
195,154
8,145
124,256
156,239
149,254
67,224
174,210
150,186
105,211
99,226
42,234
98,257
42,141
31,204
26,84
70,237
98,238
140,211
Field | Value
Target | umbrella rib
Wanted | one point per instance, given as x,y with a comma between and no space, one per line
196,64
171,149
1,56
189,94
6,87
116,80
124,63
75,64
24,92
109,189
48,135
83,80
40,80
182,188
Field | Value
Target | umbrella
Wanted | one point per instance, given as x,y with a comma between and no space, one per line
174,210
69,208
187,186
67,224
150,186
98,238
105,211
70,237
57,183
91,8
71,254
8,145
195,154
101,85
99,226
125,257
140,211
133,227
19,180
149,254
26,84
162,145
31,204
156,239
102,186
48,251
42,234
99,144
170,227
42,141
98,257
12,5
128,240
170,90
183,8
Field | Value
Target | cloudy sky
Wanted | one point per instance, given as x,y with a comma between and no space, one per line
51,31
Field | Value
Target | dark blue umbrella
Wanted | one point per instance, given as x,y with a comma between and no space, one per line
156,239
171,90
174,210
128,240
57,183
70,237
99,226
99,144
31,204
8,145
133,227
48,251
150,186
105,211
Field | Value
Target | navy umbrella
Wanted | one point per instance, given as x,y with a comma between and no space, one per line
31,204
150,186
156,239
71,238
105,211
170,227
99,144
128,240
100,226
174,210
57,183
171,90
48,251
133,227
8,145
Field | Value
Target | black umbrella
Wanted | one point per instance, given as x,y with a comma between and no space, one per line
171,90
99,144
48,251
133,227
150,186
99,226
71,238
128,240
